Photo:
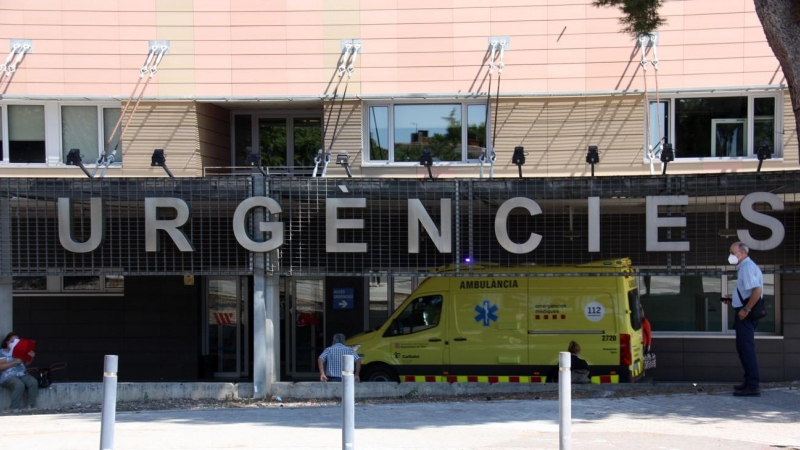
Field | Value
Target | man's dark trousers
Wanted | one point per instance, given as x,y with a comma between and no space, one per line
746,348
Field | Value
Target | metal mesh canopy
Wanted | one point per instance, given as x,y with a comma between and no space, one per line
368,230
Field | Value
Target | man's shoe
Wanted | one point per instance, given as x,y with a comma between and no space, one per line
747,393
739,387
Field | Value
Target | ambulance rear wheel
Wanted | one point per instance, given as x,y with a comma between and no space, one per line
380,372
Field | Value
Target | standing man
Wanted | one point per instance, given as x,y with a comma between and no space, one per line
749,289
333,356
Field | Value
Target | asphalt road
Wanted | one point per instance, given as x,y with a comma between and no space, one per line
685,421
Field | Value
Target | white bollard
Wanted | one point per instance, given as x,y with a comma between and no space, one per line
348,402
109,409
564,401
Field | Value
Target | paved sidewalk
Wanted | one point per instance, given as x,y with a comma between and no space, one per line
686,421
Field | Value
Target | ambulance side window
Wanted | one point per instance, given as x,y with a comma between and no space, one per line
421,314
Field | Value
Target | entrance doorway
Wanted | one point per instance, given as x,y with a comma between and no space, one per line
227,333
287,141
305,326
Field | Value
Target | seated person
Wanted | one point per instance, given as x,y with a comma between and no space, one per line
580,368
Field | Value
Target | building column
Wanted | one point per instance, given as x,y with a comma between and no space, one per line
266,312
6,286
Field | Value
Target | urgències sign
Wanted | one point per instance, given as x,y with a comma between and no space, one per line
441,235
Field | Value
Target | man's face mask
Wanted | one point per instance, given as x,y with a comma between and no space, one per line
733,259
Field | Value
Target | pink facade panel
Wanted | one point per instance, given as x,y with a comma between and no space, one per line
423,46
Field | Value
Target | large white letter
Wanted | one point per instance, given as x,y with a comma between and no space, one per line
334,224
417,213
752,216
501,225
654,223
65,226
152,224
276,228
594,224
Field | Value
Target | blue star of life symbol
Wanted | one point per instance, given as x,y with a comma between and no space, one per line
486,313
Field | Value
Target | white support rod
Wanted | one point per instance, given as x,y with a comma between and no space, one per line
162,52
325,163
492,158
643,47
491,58
146,67
502,53
351,67
343,66
14,49
655,55
21,54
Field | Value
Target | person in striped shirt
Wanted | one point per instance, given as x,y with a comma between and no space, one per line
330,361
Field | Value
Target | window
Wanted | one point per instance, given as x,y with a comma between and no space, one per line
24,131
421,314
691,303
399,133
40,285
26,134
715,127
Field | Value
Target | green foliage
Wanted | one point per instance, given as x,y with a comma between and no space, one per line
639,16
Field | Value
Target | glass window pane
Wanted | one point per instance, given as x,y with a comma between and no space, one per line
110,118
659,115
272,141
30,283
421,314
378,133
378,301
767,324
81,283
79,130
706,127
476,130
115,281
307,141
242,137
437,127
764,125
26,134
682,303
1,134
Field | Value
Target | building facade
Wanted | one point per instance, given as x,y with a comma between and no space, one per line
132,134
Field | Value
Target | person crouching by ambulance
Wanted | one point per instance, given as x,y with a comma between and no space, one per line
580,368
330,361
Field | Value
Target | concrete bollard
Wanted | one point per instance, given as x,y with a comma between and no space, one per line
348,402
564,401
109,408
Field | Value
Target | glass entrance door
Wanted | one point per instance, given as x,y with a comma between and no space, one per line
226,333
305,333
289,144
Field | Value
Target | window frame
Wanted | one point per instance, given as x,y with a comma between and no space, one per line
53,133
54,285
671,99
390,104
724,328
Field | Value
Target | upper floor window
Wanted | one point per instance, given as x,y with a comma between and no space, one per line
28,132
716,127
453,131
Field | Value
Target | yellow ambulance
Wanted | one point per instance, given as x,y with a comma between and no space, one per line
491,327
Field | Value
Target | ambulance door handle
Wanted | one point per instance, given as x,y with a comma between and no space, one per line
434,340
459,339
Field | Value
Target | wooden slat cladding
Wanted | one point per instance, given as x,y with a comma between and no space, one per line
347,133
214,129
172,126
790,150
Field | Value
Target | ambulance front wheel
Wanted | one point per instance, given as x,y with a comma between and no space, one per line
380,372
